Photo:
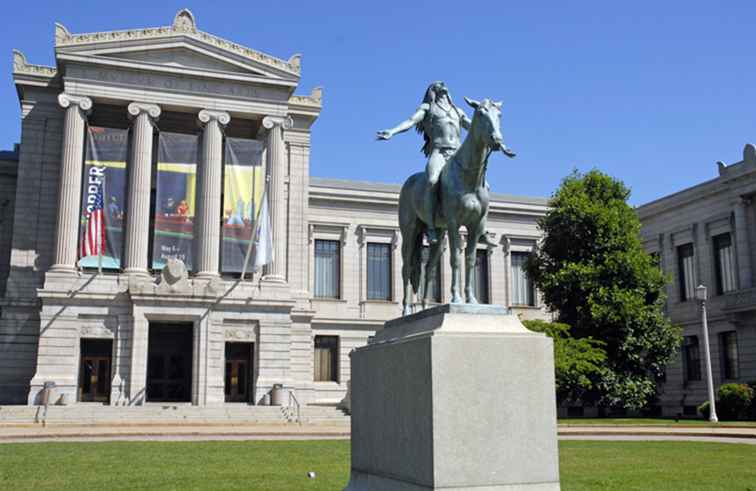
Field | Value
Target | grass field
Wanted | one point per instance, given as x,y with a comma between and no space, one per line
652,422
277,465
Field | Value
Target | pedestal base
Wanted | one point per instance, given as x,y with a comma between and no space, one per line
456,397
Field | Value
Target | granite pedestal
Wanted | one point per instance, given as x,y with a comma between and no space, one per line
456,397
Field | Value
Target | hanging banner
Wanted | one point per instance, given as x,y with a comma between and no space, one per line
173,232
243,185
104,172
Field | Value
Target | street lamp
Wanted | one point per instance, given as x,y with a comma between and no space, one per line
701,296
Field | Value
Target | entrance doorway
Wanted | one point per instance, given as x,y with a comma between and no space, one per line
239,363
169,363
94,370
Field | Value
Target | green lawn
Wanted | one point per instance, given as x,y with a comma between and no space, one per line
277,465
652,422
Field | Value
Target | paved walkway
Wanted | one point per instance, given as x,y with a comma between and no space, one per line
30,433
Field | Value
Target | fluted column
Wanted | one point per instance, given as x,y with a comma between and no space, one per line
276,164
69,190
140,174
742,244
207,224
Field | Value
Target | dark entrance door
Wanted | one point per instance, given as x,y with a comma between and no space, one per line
169,363
94,370
239,357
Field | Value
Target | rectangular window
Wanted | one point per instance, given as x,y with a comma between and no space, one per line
728,345
686,271
481,276
435,284
104,187
378,271
173,232
522,288
691,358
724,263
326,358
243,184
327,268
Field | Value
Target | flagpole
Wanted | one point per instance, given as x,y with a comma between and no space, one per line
254,230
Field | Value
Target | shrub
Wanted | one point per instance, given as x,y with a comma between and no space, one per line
735,401
703,410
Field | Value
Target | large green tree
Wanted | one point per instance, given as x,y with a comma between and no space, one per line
594,273
577,362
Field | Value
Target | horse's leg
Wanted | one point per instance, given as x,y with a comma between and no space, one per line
470,250
454,242
430,268
409,238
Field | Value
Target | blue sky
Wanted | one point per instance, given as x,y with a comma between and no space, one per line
653,93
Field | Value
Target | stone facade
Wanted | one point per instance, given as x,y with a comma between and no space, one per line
716,220
210,86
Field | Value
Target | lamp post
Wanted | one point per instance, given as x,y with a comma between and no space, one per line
701,296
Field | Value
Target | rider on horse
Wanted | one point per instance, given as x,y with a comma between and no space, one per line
439,121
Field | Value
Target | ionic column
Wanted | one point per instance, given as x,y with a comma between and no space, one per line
140,174
69,191
276,163
207,224
741,242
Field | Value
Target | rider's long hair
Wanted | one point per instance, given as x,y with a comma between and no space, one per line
423,127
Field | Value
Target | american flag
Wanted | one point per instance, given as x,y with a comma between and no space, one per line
93,243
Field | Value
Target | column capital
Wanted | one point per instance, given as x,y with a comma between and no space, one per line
285,122
66,100
136,108
207,115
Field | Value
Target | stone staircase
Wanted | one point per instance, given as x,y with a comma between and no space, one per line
170,414
318,414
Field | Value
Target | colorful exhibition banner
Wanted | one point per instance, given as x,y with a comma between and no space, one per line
105,169
243,186
173,232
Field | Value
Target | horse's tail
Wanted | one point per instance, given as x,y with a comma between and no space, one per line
412,233
417,263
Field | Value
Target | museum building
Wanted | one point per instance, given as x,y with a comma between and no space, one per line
703,235
128,208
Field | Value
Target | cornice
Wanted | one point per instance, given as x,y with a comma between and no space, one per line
183,25
315,99
21,66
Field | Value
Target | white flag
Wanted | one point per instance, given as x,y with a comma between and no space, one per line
263,237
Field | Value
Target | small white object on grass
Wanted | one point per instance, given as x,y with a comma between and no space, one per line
311,475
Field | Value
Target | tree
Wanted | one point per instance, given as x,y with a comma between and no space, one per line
577,362
593,272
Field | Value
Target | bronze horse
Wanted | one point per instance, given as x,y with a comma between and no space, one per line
463,196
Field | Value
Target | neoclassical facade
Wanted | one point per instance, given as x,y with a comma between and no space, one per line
703,235
177,136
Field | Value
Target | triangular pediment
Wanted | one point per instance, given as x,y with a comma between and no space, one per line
182,57
179,47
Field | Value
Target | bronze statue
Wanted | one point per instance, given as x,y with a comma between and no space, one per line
455,179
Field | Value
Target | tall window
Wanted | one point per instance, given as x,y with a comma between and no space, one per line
724,263
728,345
435,284
326,358
686,271
481,276
522,287
691,358
378,271
327,268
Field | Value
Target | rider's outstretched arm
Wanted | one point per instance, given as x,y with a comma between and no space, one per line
406,124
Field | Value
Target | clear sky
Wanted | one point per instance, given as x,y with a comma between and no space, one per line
653,93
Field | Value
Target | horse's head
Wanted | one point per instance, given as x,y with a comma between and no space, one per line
486,123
